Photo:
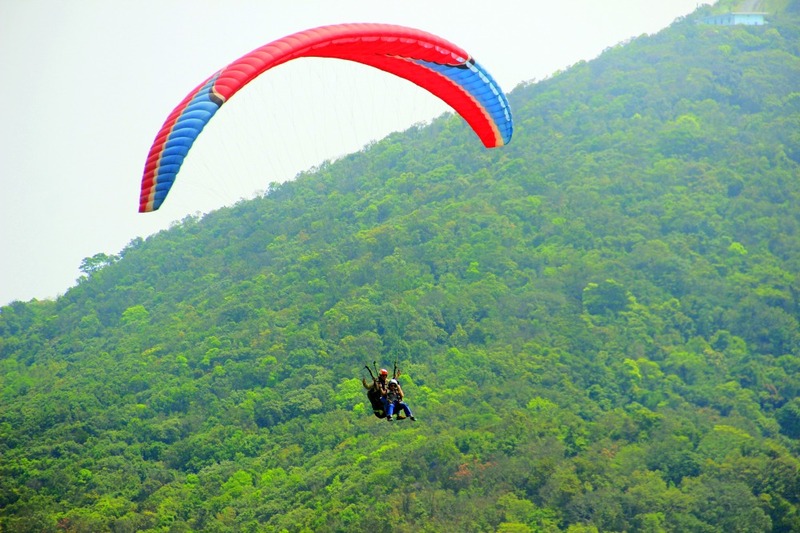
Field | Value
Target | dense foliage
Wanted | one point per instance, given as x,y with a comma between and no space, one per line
597,326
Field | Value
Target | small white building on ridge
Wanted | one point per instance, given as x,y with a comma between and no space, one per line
732,19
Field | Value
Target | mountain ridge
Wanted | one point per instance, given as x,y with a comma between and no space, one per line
597,326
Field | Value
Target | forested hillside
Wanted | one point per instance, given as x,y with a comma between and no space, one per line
597,326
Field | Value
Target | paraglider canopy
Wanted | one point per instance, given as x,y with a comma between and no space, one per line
431,62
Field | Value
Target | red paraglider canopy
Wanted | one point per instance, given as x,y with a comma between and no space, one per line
431,62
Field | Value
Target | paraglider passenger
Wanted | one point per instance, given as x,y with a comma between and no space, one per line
394,400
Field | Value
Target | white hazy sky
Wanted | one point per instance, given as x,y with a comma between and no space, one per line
88,83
